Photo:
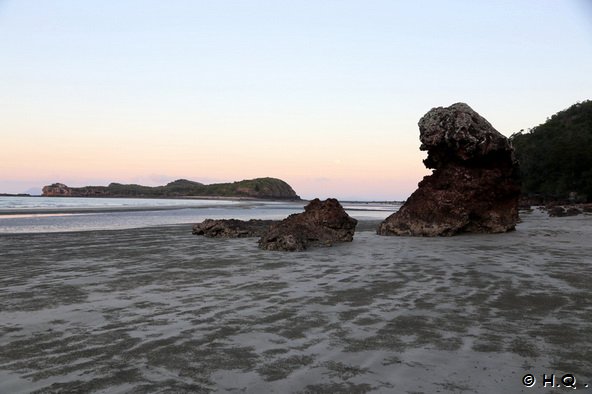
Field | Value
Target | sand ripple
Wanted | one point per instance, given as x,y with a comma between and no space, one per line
160,310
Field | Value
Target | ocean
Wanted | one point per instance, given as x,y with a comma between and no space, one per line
59,214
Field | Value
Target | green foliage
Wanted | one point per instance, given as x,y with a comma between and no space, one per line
129,190
556,157
254,188
259,187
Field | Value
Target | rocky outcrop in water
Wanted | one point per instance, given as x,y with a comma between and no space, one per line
232,228
474,186
322,223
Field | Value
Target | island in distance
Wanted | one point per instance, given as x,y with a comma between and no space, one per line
258,188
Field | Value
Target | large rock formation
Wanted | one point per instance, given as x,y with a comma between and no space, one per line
322,223
232,228
474,186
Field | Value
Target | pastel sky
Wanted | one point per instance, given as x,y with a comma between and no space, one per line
325,94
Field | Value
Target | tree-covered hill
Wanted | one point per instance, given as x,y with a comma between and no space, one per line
556,156
265,188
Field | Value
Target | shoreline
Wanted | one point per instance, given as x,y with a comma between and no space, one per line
362,226
229,198
77,215
235,198
67,211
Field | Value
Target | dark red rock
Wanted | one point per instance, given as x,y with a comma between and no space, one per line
322,223
474,186
232,228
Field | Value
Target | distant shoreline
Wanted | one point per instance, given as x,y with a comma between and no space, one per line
90,210
16,195
66,211
229,198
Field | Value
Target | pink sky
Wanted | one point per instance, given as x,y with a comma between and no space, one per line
325,97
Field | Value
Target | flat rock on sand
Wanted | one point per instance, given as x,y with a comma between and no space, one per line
568,210
232,228
322,223
474,186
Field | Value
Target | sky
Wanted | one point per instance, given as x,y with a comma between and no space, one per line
325,95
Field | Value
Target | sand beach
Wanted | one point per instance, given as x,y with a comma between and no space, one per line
160,310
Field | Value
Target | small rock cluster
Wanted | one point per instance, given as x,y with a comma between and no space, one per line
323,223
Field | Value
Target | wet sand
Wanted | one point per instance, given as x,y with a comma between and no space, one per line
161,310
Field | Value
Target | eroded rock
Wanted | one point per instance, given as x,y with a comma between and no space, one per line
474,186
322,223
232,228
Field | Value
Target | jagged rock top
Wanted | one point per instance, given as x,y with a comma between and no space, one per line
474,186
458,133
322,223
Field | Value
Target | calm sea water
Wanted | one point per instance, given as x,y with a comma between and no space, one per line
57,214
